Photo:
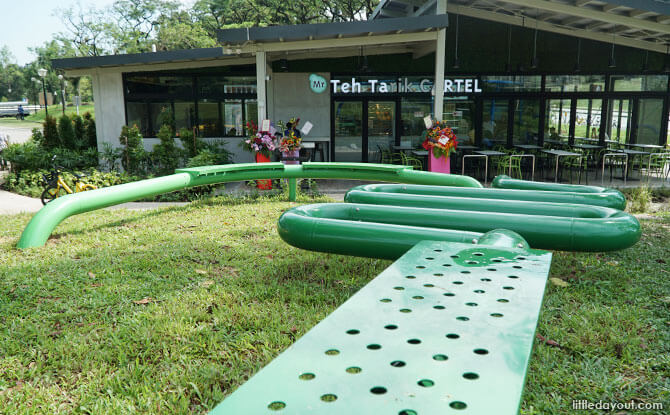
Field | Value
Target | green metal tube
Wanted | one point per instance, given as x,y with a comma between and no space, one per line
612,199
292,189
505,182
385,225
336,228
45,221
481,205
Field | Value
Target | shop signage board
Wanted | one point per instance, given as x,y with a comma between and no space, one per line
378,86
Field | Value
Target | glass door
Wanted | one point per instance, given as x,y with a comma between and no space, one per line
348,138
381,128
557,122
620,117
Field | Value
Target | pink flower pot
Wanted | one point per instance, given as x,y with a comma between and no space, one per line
438,165
291,154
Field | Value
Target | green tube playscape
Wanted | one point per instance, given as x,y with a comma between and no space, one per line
45,221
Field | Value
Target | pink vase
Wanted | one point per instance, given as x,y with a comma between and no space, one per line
291,154
438,165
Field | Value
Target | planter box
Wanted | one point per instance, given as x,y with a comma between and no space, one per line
264,184
438,165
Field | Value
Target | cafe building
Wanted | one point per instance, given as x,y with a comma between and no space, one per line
499,72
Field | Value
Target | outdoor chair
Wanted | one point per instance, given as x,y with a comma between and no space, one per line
411,161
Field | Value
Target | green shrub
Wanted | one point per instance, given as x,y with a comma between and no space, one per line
51,138
31,182
90,131
37,137
110,156
192,145
221,155
133,155
66,132
31,156
166,155
204,158
640,199
80,139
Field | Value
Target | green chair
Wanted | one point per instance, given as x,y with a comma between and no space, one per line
411,161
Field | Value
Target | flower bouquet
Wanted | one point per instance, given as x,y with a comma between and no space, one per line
290,143
440,142
262,144
259,142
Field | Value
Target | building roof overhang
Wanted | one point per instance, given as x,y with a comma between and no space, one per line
642,24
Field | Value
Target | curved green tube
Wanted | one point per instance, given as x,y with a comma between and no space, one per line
45,221
383,231
616,198
368,193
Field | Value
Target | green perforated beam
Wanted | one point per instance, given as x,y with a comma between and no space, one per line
448,328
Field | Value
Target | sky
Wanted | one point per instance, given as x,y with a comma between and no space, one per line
31,23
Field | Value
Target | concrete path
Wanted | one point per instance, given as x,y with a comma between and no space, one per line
11,203
18,133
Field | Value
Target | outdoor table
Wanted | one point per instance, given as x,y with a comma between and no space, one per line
559,154
590,140
587,146
554,142
528,146
647,146
403,147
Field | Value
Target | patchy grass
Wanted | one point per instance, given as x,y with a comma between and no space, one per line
168,311
57,111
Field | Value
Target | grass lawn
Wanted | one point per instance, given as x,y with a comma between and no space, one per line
168,311
57,111
13,122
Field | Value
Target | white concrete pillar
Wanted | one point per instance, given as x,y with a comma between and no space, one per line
438,102
261,96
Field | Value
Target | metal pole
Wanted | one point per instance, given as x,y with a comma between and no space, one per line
46,106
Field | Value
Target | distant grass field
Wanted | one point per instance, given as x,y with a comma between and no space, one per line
57,111
169,311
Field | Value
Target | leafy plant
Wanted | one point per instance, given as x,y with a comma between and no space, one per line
166,155
90,133
133,155
191,144
111,156
640,199
80,139
66,132
51,137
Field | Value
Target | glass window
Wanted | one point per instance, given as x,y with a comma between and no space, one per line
639,82
620,115
184,115
526,83
231,113
649,120
160,114
557,122
526,121
251,111
209,124
575,83
494,129
138,114
381,128
412,126
458,113
348,140
587,122
159,85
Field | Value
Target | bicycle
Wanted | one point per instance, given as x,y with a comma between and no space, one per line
55,186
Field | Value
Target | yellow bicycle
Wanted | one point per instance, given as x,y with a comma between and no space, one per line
55,186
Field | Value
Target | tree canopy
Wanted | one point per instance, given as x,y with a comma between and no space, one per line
134,26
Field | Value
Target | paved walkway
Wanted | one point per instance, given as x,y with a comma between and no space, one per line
11,203
18,133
